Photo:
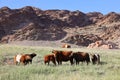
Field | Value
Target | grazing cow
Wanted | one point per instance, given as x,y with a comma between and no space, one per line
62,56
80,57
107,46
24,58
66,46
95,58
48,58
99,43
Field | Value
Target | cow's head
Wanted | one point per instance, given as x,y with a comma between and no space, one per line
33,55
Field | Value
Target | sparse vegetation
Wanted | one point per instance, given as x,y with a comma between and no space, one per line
109,69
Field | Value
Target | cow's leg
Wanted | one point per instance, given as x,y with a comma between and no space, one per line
30,61
93,61
48,62
16,63
98,61
45,62
76,63
23,63
71,61
82,62
87,62
54,62
60,62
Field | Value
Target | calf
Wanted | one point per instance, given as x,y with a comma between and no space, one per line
24,58
48,58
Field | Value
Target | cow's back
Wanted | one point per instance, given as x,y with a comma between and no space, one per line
49,57
62,55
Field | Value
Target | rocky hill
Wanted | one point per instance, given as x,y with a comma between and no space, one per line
33,24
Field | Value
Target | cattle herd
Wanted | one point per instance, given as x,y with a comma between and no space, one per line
59,56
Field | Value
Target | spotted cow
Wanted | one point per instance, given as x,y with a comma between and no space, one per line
24,58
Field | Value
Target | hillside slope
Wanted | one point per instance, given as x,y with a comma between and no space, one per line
33,24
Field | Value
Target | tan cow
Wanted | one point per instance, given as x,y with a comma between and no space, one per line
66,46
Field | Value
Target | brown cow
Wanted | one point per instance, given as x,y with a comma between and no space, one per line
48,58
24,58
95,58
66,46
81,57
62,56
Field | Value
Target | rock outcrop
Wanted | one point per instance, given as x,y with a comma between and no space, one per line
30,23
82,40
102,44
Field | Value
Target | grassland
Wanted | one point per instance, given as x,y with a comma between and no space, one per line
109,69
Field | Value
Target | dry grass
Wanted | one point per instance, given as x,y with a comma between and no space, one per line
108,70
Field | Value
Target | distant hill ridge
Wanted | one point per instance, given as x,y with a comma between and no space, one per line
30,23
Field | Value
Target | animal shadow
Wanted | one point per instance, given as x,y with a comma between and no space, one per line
103,63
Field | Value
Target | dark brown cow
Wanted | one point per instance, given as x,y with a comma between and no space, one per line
81,57
66,46
62,56
24,58
95,58
48,58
